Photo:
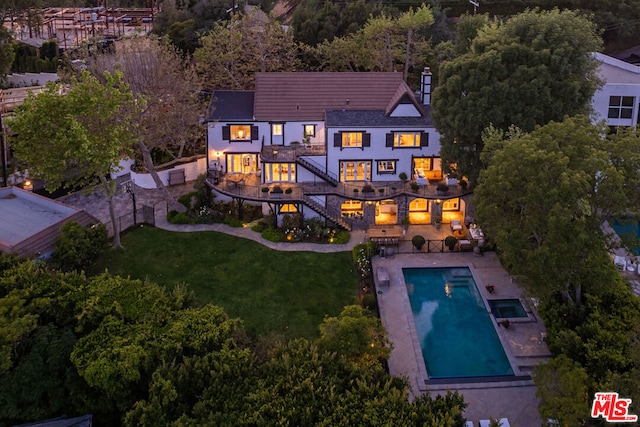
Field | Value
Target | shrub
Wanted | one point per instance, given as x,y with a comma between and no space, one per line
259,226
171,214
450,242
187,199
79,246
414,186
370,302
403,176
272,235
181,218
342,237
418,241
233,222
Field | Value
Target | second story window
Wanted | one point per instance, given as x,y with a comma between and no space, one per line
352,139
621,107
240,133
406,139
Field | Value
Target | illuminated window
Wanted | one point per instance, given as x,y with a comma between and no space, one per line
280,172
355,171
240,133
352,139
408,139
621,107
288,208
276,129
387,166
451,205
310,130
351,208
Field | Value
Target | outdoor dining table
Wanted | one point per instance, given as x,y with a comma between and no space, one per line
387,235
235,178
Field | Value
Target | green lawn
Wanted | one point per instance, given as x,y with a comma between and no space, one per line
286,292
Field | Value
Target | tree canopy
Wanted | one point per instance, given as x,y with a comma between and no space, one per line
233,52
86,129
526,71
132,353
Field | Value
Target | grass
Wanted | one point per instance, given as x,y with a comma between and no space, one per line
271,291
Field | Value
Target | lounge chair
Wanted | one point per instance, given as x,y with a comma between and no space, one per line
620,262
456,225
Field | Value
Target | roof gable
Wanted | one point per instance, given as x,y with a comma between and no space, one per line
307,96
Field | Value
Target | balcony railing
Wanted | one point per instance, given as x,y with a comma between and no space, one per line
249,187
289,153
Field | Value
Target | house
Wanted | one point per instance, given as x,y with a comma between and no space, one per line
617,101
334,145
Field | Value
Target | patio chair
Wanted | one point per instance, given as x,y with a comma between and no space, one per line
620,262
456,225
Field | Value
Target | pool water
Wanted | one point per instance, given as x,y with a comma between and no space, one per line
627,228
456,334
507,308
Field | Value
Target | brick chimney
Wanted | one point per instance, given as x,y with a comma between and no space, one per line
425,86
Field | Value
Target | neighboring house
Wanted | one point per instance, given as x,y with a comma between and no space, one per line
333,145
617,102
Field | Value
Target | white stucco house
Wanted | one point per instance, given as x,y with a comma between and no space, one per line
354,148
617,102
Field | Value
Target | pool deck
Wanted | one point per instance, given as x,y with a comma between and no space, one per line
523,341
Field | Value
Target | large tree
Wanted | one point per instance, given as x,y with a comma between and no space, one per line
235,51
385,43
544,195
168,90
77,136
531,69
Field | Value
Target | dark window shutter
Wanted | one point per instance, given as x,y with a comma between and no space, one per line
226,133
389,140
337,139
424,139
366,140
254,133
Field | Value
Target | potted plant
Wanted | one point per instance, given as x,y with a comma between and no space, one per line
265,190
355,192
381,190
450,242
442,189
505,323
418,241
490,288
477,251
463,184
406,222
367,189
414,186
276,191
288,190
403,176
437,222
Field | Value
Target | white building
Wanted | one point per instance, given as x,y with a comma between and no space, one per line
336,145
617,101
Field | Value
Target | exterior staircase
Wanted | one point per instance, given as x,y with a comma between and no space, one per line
317,170
335,217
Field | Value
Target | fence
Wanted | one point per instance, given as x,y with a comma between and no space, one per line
142,215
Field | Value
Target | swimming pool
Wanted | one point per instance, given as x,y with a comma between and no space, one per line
632,228
456,334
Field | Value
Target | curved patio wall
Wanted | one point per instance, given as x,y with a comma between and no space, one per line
144,180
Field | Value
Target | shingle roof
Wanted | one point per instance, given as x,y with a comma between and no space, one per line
340,118
306,96
231,105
